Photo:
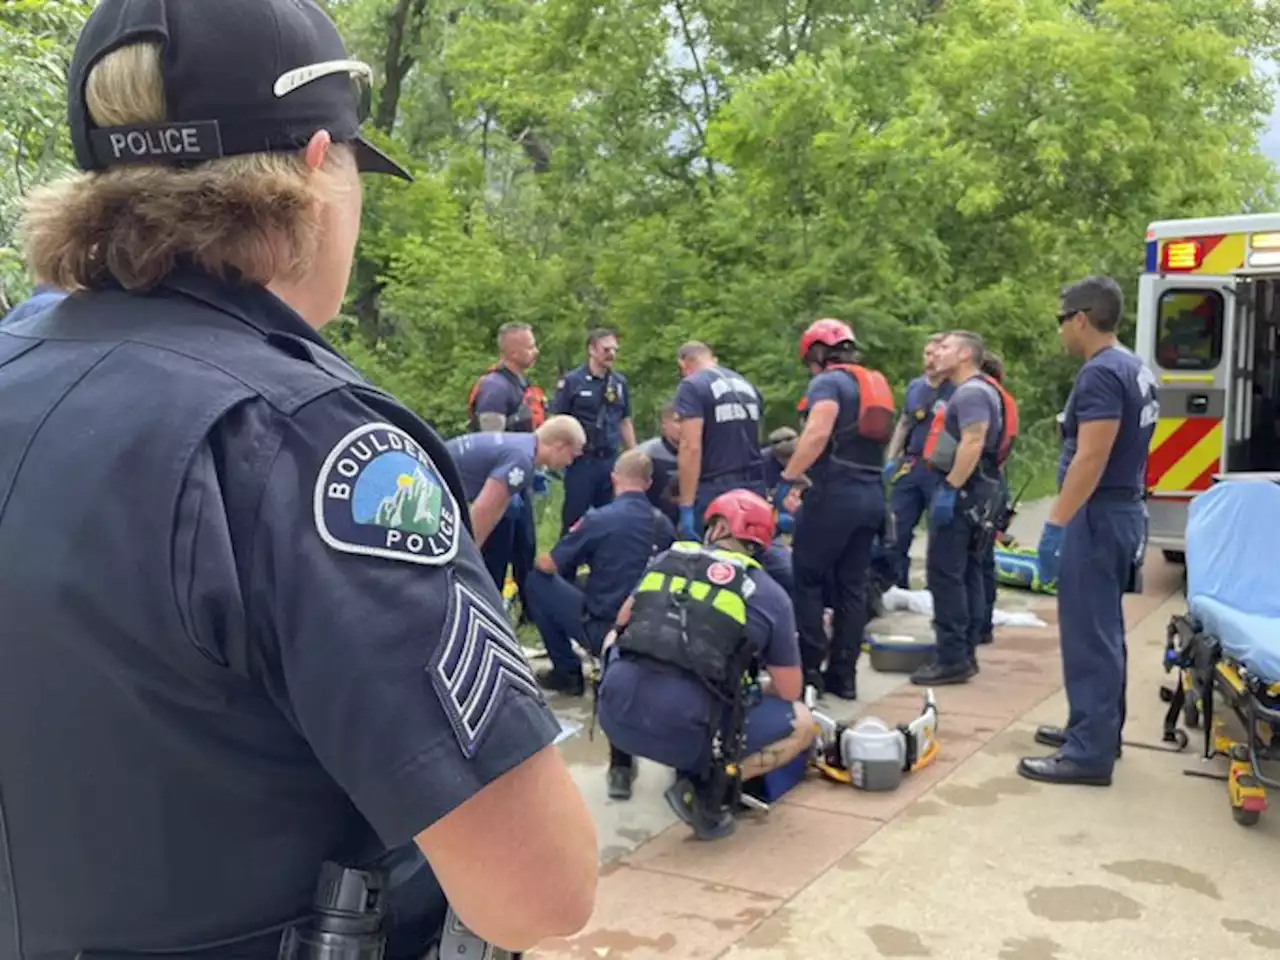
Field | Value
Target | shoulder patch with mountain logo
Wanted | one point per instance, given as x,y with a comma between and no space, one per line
379,494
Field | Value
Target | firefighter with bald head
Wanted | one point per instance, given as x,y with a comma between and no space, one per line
849,417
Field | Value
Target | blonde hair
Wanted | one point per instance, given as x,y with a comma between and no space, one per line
635,465
256,215
563,428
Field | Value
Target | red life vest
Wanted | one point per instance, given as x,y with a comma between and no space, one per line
533,400
1008,425
861,445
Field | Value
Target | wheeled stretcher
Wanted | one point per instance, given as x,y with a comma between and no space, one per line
1226,648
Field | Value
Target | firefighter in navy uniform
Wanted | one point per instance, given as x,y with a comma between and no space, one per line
504,400
1094,541
238,582
849,417
600,398
967,444
681,680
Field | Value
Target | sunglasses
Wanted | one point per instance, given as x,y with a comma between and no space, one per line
1070,314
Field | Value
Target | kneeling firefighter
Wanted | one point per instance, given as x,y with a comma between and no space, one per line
681,679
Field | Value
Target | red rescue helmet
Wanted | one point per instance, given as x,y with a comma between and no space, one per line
748,515
832,333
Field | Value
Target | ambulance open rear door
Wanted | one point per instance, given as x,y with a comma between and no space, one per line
1185,332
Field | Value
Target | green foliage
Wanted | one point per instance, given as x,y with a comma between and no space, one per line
36,37
729,171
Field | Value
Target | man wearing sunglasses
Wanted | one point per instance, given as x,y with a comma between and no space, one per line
247,629
1094,540
599,398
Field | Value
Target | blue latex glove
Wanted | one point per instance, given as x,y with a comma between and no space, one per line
943,509
541,487
686,528
1050,552
786,522
516,506
890,469
780,493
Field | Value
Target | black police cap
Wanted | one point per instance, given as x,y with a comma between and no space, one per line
240,76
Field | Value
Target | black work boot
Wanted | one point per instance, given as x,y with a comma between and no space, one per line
690,803
938,674
815,679
620,780
1057,737
842,681
567,682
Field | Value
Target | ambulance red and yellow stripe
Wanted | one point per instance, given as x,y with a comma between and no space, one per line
1185,453
1215,254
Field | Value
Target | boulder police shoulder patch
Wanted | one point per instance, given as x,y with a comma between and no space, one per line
379,494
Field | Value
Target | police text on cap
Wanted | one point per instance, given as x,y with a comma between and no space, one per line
158,143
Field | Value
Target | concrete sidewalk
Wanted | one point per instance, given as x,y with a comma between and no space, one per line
965,859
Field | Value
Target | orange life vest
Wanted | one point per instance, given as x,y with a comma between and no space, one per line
1008,425
861,444
533,400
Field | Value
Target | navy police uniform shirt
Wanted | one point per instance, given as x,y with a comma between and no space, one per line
976,401
730,409
617,541
600,404
921,401
500,391
668,702
246,629
1114,384
42,297
507,457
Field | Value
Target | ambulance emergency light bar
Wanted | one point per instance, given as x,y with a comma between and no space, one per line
1179,255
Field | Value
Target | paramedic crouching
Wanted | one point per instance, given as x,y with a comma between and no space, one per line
1094,539
677,674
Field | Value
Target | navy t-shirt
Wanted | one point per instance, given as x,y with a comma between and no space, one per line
839,386
503,456
617,541
1114,384
976,401
500,391
920,403
730,409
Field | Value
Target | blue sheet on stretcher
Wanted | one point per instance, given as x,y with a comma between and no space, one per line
1233,578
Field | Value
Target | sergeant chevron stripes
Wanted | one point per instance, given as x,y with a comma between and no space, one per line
478,660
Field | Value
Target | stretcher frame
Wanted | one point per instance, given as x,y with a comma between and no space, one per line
1206,674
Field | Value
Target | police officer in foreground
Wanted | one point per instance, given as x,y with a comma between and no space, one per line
497,471
681,680
1094,541
911,480
964,446
720,413
238,583
661,451
600,399
849,418
616,541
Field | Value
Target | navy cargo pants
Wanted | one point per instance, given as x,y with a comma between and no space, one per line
588,482
908,501
953,570
1099,550
557,609
831,554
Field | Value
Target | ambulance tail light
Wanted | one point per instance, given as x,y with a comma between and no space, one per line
1181,255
